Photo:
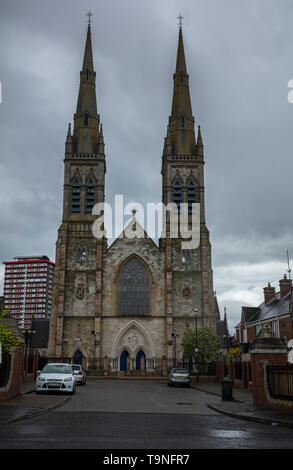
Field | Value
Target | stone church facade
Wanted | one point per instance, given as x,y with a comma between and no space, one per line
124,307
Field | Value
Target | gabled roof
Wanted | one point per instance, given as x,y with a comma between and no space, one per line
275,307
127,233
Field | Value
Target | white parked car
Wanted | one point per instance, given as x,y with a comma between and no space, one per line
56,377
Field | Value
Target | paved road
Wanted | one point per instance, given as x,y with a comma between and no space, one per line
109,414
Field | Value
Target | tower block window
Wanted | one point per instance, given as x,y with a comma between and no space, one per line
76,197
177,196
90,197
86,119
191,196
133,293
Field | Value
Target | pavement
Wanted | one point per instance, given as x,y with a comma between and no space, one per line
28,405
241,407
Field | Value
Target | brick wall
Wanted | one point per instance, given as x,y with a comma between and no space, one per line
13,387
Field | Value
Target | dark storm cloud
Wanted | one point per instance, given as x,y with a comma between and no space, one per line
239,57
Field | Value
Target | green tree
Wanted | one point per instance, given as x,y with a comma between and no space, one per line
207,342
8,340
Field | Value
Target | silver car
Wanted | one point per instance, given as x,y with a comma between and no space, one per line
56,377
178,377
79,374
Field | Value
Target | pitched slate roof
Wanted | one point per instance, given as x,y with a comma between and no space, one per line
275,307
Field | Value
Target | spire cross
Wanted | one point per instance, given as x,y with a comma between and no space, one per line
180,18
89,14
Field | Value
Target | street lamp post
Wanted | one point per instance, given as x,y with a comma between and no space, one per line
196,343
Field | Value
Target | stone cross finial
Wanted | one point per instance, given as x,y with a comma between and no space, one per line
180,18
89,14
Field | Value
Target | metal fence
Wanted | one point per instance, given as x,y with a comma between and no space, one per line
155,367
280,382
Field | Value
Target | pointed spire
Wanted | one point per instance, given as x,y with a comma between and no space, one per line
88,63
68,143
181,63
86,118
199,137
101,147
181,121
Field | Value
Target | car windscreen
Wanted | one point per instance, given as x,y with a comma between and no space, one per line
75,367
180,371
57,369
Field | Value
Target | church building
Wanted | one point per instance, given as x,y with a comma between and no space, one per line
123,307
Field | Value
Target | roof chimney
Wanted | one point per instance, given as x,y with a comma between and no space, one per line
269,293
285,286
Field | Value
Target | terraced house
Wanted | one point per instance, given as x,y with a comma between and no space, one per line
276,310
121,306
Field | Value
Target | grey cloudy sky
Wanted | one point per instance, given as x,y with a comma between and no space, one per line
239,57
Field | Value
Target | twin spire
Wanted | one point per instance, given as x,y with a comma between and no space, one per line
180,138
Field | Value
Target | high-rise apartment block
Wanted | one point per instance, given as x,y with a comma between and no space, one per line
28,288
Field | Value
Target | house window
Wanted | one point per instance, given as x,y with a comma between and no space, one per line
90,197
275,328
177,195
76,197
133,294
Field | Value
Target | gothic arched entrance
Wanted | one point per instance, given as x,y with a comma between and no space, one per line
134,346
140,361
124,361
77,357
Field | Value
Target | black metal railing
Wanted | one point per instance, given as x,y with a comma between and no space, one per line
155,367
280,382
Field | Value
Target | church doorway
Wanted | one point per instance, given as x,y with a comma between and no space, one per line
77,358
140,361
125,361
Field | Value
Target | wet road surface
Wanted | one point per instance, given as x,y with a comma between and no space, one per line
104,415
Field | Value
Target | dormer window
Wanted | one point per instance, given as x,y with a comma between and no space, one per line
86,119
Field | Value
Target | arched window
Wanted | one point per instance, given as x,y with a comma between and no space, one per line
177,195
81,253
76,197
190,196
90,197
86,119
133,289
182,122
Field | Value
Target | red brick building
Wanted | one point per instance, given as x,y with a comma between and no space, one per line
276,310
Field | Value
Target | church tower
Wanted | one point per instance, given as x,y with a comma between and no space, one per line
189,278
76,309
